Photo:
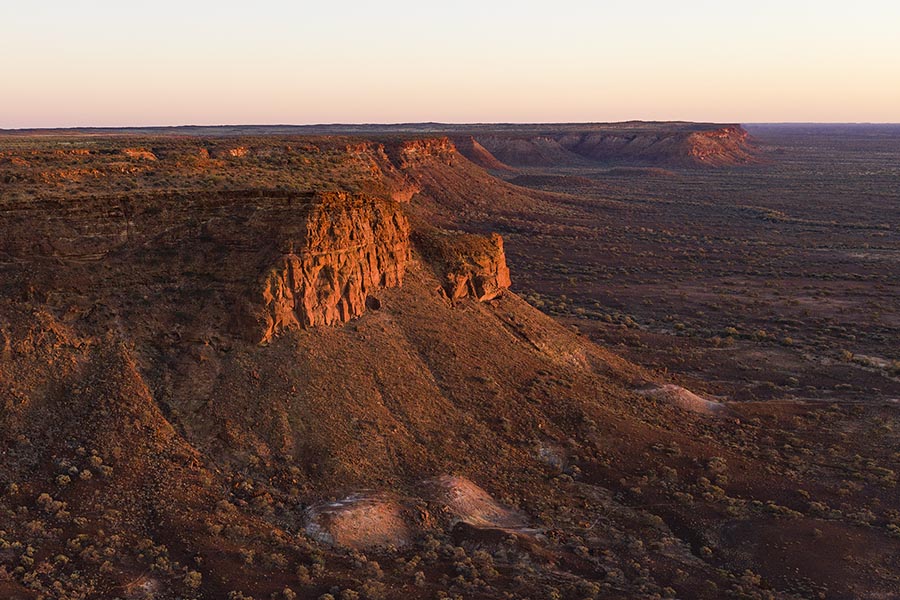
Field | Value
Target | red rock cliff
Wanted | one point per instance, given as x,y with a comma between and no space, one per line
352,247
411,153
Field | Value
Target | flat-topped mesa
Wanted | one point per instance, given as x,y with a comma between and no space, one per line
684,145
468,265
352,246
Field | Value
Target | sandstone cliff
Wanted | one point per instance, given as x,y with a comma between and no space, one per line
416,152
351,247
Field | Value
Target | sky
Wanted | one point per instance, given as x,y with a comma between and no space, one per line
120,63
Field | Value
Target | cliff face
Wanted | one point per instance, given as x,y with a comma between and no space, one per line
481,271
352,247
707,146
412,153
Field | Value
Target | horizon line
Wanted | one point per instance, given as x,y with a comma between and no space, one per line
75,128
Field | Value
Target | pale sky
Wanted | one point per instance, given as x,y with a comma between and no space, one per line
120,63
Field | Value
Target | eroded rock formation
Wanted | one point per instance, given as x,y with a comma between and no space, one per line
411,153
351,247
354,245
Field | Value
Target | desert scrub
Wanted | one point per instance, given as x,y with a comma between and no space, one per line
781,511
193,580
717,464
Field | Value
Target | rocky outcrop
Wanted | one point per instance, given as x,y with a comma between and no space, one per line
412,153
352,246
360,522
139,154
468,265
727,145
355,245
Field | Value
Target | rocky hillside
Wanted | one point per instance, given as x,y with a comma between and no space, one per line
325,388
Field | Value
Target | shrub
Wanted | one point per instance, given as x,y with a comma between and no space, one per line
193,579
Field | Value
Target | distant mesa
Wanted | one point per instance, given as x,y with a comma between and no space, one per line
681,146
507,147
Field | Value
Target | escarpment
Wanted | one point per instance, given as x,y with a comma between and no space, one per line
351,247
405,406
254,261
354,246
696,145
469,147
